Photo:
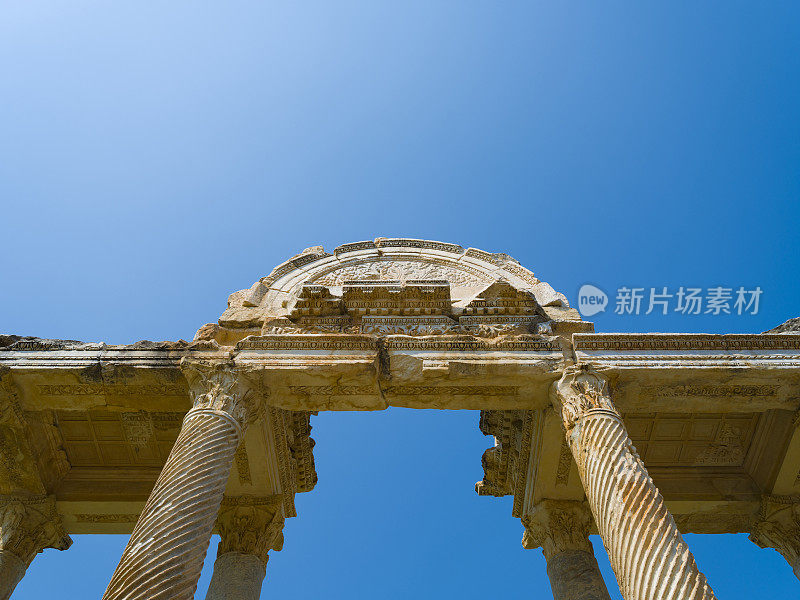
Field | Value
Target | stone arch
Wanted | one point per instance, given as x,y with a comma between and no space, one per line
466,270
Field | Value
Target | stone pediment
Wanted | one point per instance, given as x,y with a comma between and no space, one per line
501,298
391,277
316,301
396,298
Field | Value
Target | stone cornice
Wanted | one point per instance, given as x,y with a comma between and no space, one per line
618,351
681,342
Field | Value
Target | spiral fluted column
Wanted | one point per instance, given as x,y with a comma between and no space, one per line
645,548
165,553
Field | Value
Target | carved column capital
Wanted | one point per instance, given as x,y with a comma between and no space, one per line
251,525
579,391
217,386
558,525
29,524
778,527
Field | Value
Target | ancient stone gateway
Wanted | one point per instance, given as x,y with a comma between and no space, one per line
170,442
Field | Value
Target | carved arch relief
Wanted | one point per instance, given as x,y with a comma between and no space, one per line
467,271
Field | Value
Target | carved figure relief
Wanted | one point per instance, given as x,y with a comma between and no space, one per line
403,269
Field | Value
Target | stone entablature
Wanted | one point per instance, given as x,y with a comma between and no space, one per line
406,323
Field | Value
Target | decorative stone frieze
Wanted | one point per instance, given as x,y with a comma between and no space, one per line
28,525
517,436
391,277
501,463
19,471
645,548
778,527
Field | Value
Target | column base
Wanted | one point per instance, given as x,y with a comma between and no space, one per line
237,576
12,569
574,575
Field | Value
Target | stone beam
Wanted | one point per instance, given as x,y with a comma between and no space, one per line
652,372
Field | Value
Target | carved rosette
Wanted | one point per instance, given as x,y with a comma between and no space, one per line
250,525
645,548
165,553
778,527
29,524
557,526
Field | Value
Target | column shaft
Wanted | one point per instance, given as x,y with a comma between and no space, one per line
561,529
249,527
575,575
12,569
237,576
165,553
645,548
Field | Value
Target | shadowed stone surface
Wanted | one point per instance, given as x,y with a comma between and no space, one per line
574,575
236,576
12,569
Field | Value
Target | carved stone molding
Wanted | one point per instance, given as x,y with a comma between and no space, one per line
10,411
294,447
505,465
218,387
500,462
251,525
19,472
556,526
778,527
580,391
29,524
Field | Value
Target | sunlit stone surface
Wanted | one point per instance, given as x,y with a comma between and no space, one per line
171,442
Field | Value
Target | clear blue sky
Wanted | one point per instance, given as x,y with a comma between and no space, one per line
155,157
